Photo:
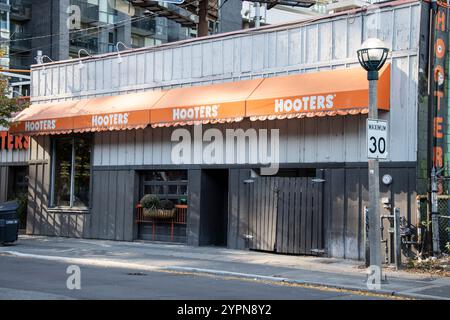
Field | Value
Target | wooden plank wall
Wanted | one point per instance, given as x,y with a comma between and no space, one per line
39,221
309,47
4,177
238,216
13,156
346,195
285,215
308,140
112,206
303,47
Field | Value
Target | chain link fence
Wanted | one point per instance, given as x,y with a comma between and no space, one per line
444,223
426,223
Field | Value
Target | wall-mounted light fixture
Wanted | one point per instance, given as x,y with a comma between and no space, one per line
80,63
40,59
119,57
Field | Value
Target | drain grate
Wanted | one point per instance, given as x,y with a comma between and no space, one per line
136,274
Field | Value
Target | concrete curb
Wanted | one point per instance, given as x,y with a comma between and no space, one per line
222,273
303,282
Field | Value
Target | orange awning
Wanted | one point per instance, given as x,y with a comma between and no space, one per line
221,103
122,112
326,93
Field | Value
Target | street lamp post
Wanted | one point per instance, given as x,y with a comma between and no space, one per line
372,56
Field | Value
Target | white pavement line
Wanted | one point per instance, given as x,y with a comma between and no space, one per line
84,261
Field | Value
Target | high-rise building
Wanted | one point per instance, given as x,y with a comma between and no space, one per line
62,29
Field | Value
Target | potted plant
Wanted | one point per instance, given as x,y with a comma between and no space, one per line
153,207
167,209
150,205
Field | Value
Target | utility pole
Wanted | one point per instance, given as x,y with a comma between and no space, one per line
202,29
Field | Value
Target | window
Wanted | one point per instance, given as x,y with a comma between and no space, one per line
170,184
71,172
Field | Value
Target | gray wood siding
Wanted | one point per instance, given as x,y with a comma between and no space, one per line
4,178
305,47
39,220
13,156
308,47
345,194
112,213
112,209
308,140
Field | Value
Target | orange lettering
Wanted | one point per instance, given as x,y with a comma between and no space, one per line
439,95
3,136
10,142
440,20
18,142
438,127
438,161
26,143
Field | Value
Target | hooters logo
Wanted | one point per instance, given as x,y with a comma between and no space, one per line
305,104
201,112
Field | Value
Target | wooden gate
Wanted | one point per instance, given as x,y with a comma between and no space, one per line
285,215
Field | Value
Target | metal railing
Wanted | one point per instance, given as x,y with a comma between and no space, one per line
179,219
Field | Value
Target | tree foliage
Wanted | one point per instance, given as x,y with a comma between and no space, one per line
8,106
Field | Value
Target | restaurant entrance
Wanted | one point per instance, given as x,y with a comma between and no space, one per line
214,208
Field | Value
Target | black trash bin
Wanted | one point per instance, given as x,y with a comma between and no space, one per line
9,222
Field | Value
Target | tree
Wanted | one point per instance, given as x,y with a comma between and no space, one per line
8,106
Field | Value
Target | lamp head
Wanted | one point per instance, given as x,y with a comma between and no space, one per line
372,56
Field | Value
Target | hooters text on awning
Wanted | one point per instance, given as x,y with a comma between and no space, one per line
326,93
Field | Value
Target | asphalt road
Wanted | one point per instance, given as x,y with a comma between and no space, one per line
29,278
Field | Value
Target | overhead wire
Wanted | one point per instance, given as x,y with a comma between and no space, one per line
101,29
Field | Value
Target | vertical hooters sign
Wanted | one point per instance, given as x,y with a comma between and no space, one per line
439,79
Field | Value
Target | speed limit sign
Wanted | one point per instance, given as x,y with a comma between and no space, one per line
377,139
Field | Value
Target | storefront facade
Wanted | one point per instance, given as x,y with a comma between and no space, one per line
103,136
14,168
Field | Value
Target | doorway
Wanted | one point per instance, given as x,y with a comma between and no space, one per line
214,208
18,191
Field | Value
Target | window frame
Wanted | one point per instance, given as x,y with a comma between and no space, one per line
149,183
72,174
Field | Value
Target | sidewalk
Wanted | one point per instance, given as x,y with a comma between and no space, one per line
328,272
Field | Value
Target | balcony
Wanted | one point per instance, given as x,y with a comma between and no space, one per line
4,6
86,42
143,27
184,17
20,45
91,44
20,10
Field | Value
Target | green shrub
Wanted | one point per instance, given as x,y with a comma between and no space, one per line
150,201
166,205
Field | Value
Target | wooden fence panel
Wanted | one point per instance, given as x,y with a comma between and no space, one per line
286,215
